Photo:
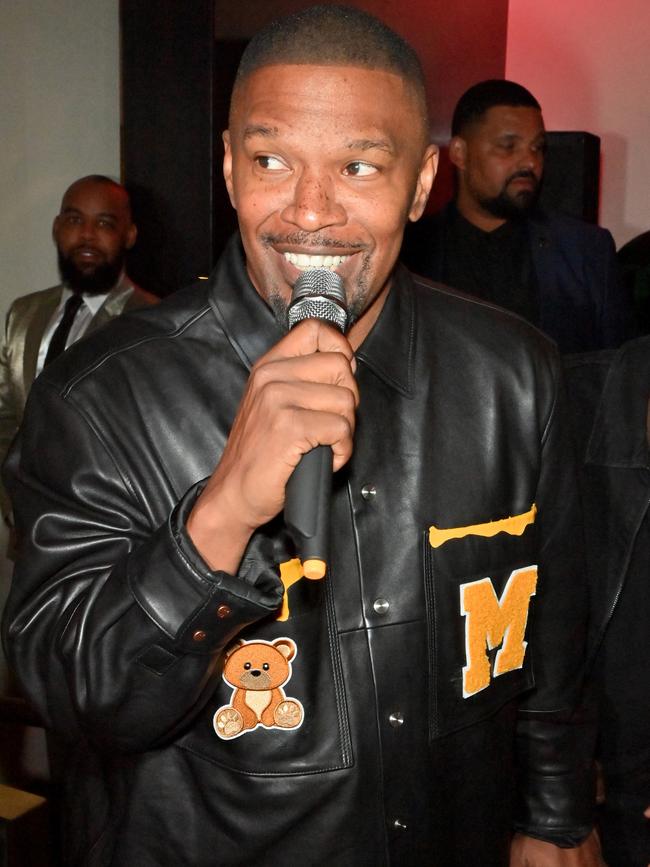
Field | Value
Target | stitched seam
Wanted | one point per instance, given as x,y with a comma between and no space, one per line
141,341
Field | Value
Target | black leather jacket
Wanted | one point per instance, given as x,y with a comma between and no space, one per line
116,627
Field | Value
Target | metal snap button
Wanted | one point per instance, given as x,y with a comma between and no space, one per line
381,606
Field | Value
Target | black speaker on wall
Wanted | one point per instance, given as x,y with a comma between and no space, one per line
572,174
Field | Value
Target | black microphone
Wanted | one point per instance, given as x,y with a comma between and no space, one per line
317,294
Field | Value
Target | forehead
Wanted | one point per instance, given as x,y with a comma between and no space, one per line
310,102
94,198
522,121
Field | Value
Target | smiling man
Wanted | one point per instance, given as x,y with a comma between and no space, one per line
494,241
92,232
219,707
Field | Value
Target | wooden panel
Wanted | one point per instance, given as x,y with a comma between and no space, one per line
24,840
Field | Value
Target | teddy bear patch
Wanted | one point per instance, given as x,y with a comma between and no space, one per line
258,670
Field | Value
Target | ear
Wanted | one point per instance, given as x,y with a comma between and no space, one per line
227,166
458,152
426,174
131,235
286,647
55,228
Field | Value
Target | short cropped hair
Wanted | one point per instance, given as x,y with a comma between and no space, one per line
481,97
338,36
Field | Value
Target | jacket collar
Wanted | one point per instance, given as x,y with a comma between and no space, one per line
252,329
618,437
113,303
389,349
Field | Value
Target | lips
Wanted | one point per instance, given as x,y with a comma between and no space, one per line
87,253
527,180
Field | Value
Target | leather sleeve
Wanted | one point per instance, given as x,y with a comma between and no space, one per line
113,625
555,735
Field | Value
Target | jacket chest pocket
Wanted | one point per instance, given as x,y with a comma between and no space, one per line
480,606
279,708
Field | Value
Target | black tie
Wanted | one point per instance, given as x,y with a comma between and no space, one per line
60,336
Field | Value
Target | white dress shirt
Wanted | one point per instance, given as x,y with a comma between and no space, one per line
85,313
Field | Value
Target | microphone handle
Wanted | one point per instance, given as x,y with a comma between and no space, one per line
307,509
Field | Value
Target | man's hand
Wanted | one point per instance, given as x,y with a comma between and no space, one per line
528,852
301,394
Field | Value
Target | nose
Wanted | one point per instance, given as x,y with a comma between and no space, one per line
87,230
314,203
533,160
256,672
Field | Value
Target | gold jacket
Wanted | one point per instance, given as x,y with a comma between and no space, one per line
27,319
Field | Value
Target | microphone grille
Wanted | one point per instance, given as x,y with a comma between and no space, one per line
318,294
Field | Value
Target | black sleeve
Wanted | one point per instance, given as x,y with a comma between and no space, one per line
555,735
113,626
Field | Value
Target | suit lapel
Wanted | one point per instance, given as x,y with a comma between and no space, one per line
544,259
114,304
40,317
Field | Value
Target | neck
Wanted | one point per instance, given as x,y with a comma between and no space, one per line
475,214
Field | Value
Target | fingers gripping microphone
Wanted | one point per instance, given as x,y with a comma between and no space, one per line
317,294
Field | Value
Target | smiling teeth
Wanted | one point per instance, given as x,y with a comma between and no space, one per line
305,262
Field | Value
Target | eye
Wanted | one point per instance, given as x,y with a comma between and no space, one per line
266,666
247,666
359,169
270,164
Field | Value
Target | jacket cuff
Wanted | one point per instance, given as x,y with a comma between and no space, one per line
557,781
198,609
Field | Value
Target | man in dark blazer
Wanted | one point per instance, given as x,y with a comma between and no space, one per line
92,232
493,241
610,400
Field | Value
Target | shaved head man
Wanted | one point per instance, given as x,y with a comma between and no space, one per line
92,233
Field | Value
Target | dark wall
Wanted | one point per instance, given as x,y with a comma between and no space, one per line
178,61
458,42
176,83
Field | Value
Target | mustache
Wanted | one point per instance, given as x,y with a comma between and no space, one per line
524,173
309,239
80,248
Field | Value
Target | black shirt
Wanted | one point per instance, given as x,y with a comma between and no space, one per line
495,266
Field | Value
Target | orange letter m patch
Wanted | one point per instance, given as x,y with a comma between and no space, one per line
490,622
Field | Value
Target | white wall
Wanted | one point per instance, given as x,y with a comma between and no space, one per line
59,120
586,61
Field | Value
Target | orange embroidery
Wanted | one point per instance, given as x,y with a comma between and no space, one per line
514,526
491,621
290,572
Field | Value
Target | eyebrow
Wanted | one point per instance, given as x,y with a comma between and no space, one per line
362,144
101,215
368,144
516,135
259,129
